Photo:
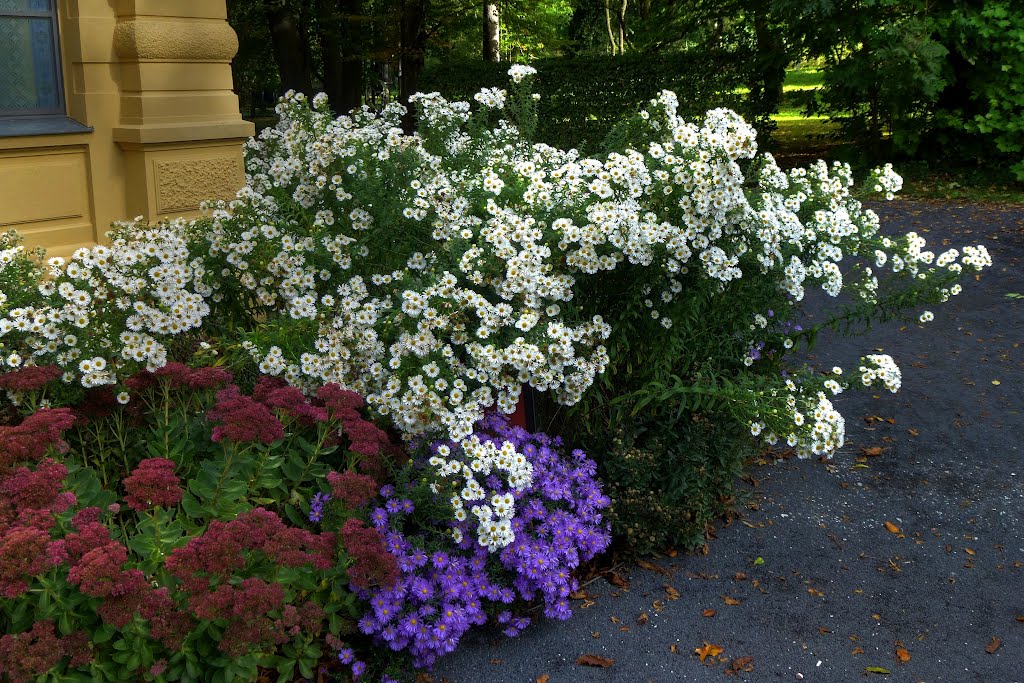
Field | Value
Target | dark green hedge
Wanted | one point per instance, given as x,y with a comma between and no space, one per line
583,97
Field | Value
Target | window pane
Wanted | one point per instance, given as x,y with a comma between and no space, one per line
28,75
24,6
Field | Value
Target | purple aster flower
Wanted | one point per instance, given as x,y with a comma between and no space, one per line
316,506
346,655
358,668
419,557
440,559
368,624
379,518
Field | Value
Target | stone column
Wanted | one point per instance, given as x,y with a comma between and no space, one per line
179,124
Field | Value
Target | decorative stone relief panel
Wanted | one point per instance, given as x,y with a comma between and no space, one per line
181,184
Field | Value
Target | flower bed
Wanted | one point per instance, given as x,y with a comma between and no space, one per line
225,496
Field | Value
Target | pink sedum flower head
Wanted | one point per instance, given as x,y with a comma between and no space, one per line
153,484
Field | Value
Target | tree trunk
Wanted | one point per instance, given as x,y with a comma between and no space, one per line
341,45
492,32
413,37
289,50
772,62
622,28
608,21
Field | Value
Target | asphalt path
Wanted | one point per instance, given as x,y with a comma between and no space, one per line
904,554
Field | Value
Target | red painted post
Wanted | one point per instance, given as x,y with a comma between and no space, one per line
518,418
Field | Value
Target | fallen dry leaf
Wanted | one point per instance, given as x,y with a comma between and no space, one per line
968,551
642,619
892,528
913,432
902,654
877,670
709,612
994,645
651,567
543,678
745,664
617,580
497,661
730,600
1020,618
872,451
708,650
857,651
671,593
594,660
673,648
816,593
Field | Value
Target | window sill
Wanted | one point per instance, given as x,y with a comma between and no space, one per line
40,125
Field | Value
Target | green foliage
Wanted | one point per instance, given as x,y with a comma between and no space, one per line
611,87
669,481
887,85
990,39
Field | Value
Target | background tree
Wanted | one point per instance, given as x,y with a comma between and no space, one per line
492,31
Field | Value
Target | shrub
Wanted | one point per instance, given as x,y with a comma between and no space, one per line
669,484
449,581
436,274
210,568
612,88
196,574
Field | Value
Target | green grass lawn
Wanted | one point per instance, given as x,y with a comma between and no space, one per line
804,78
801,139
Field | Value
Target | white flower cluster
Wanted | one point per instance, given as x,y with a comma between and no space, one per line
463,324
437,273
887,181
473,461
113,306
827,433
493,98
880,368
816,427
7,257
520,71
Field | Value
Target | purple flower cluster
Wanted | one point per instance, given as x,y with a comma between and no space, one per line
445,591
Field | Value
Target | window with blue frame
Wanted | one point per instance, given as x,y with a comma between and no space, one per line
30,74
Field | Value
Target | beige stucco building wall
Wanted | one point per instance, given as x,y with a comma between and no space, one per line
152,78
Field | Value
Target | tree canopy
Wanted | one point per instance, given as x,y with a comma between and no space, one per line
902,76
